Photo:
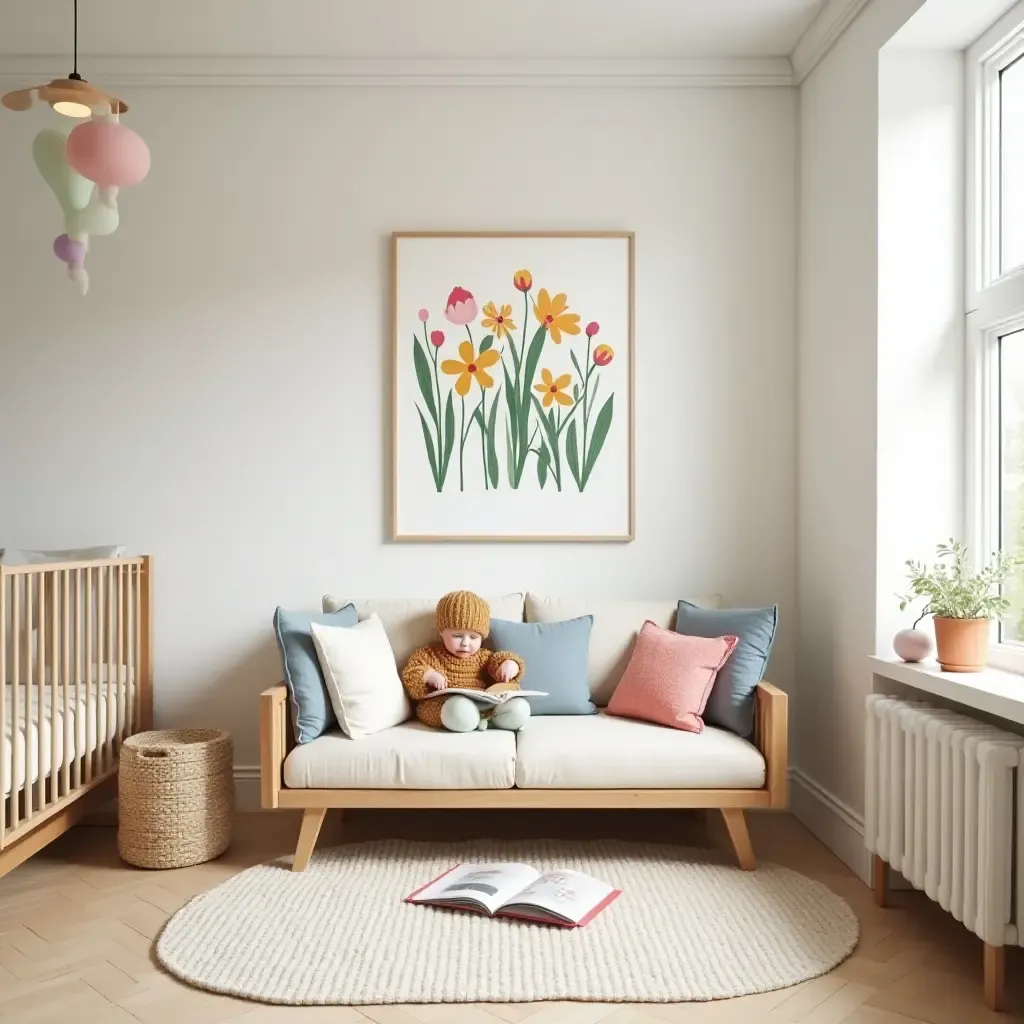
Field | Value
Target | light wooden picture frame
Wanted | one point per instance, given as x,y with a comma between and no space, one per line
513,386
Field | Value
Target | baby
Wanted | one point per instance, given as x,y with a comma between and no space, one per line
463,621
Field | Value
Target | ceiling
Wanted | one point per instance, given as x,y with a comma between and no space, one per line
950,24
548,29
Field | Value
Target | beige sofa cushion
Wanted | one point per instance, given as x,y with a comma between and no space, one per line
602,752
408,756
616,624
409,622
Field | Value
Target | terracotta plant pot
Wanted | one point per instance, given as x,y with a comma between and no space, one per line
962,644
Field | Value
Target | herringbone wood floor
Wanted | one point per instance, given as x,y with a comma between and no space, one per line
77,928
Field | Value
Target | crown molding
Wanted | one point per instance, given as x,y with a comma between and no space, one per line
832,21
277,72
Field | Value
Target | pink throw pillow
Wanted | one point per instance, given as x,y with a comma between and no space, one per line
669,677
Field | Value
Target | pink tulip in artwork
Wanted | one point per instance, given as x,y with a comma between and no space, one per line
437,338
461,307
424,315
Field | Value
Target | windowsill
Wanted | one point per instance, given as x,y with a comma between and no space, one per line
992,690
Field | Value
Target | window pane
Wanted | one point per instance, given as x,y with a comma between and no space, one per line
1012,171
1011,455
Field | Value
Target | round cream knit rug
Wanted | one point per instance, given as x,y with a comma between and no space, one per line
688,926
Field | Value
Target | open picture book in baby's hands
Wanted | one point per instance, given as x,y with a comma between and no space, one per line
567,898
489,697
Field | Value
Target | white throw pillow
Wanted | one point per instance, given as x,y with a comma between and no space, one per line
362,680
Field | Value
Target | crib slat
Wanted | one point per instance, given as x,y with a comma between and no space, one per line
101,672
53,588
41,713
109,689
90,590
16,588
30,665
120,656
77,659
65,665
6,770
132,680
140,583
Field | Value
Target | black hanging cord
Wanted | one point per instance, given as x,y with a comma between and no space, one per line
74,73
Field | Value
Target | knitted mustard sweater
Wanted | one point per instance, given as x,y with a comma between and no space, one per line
479,672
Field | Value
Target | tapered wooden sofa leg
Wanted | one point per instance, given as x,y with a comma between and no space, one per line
312,819
736,826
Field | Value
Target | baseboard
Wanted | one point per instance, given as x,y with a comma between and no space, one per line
247,787
834,822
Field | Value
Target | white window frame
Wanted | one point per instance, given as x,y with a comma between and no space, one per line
994,300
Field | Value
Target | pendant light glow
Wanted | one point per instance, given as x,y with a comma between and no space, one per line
70,109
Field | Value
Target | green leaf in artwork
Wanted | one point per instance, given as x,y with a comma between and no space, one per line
429,442
510,459
601,426
575,362
513,468
486,343
572,453
516,359
548,425
422,364
449,437
510,396
530,362
533,358
543,464
492,455
575,392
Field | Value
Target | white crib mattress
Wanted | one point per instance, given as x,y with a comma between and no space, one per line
81,733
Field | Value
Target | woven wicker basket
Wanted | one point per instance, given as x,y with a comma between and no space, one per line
175,797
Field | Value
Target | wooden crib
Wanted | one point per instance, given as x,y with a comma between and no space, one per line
76,652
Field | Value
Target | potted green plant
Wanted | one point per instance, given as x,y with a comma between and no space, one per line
962,602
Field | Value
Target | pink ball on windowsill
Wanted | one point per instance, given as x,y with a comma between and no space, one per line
912,645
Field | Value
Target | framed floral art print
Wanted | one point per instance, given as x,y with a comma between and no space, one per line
513,386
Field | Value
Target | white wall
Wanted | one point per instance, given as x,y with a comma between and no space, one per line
219,398
837,423
921,319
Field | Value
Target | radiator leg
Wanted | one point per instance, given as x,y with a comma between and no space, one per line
995,977
879,879
312,819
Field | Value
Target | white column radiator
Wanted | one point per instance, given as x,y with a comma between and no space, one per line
944,806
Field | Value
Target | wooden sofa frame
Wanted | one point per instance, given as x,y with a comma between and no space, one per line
771,738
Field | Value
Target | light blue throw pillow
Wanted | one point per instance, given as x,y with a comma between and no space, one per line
731,704
555,654
312,713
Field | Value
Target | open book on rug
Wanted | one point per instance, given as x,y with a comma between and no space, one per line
489,697
563,897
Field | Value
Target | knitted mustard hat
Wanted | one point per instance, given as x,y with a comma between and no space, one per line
462,609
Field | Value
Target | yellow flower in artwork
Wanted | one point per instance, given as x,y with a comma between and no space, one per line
553,388
470,365
498,320
551,312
